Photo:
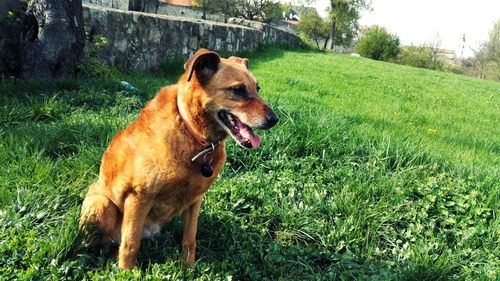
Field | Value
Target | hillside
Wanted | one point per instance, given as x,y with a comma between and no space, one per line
375,171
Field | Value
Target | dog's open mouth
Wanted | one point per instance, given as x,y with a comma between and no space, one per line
240,132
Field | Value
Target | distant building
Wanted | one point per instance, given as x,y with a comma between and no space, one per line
447,54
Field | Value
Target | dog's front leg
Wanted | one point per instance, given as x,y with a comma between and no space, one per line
190,227
135,211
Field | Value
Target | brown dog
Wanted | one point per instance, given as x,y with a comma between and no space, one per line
149,173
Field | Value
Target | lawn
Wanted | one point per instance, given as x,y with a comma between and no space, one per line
376,171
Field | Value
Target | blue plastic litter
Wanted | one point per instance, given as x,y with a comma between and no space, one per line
127,86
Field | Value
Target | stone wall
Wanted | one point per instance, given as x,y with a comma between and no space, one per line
117,4
141,41
283,25
247,23
190,12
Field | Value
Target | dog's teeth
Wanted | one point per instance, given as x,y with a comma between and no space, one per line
232,120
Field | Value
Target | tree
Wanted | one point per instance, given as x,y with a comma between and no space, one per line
435,47
480,63
420,56
260,10
486,61
376,43
492,47
251,9
225,7
344,16
314,27
272,12
51,40
256,9
285,9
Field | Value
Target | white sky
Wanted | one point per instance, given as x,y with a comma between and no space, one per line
422,21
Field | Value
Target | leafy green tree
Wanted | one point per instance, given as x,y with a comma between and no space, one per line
248,9
285,9
272,12
376,43
493,45
485,63
314,27
225,7
488,56
420,56
344,16
260,10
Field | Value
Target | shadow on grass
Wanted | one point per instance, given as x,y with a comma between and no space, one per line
61,140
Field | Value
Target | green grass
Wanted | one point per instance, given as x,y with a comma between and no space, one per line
376,171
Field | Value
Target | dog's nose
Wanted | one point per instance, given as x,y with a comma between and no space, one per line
272,119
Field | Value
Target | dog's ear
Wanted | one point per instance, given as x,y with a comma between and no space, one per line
204,64
243,61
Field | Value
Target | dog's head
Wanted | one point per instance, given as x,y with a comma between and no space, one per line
230,94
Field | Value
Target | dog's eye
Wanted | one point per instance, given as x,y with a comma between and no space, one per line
240,90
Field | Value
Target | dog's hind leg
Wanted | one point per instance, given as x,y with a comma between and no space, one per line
100,218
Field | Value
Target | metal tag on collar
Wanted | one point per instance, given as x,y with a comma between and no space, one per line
205,151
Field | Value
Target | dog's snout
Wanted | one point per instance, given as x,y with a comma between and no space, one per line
272,120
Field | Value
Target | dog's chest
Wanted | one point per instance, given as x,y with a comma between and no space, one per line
183,188
168,204
174,199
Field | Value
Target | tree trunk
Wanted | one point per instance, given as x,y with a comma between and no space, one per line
333,28
11,26
317,43
53,41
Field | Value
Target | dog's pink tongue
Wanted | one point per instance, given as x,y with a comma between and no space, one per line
248,134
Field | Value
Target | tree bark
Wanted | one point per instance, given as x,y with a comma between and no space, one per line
53,41
333,28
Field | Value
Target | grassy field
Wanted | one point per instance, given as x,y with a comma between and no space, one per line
376,171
